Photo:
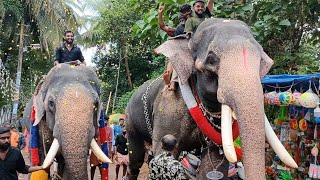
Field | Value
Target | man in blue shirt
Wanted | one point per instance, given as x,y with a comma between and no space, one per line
117,130
69,52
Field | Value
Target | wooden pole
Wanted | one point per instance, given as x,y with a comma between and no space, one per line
108,103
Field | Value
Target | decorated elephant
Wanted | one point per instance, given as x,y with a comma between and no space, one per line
67,107
220,69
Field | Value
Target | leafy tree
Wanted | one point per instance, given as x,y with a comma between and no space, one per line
45,22
287,29
118,46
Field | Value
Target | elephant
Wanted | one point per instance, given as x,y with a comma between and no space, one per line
222,65
67,107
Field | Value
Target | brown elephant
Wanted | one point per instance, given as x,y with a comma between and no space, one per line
224,65
67,106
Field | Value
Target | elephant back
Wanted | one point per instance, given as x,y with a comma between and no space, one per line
141,105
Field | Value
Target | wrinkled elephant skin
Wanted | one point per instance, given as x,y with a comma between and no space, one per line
229,64
67,105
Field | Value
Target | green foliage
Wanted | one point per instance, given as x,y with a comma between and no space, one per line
123,101
115,27
288,30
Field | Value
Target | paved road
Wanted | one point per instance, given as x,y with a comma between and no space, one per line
112,175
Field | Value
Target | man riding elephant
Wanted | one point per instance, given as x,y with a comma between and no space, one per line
219,97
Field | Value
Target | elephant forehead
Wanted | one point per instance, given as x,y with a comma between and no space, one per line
77,95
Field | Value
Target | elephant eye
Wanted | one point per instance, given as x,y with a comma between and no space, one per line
51,106
212,59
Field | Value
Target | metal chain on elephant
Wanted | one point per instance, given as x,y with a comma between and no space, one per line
145,106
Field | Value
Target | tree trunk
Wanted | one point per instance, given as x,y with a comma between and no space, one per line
18,79
126,62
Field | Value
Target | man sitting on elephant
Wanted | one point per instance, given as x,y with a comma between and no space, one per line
199,15
69,52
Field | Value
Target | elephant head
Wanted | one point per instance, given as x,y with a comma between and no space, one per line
229,64
67,99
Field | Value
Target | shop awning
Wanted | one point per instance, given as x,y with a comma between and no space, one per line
284,81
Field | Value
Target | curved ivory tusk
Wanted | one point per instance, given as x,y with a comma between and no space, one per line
226,133
51,154
36,122
277,145
98,152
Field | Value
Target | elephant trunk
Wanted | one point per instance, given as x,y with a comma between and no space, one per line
249,110
240,88
75,130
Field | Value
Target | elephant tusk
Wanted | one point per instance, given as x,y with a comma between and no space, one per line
226,133
277,145
36,122
51,154
98,152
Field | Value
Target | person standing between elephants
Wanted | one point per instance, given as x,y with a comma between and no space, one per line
121,153
117,130
200,14
164,165
11,159
109,135
69,52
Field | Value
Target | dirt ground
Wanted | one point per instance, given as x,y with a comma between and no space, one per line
112,172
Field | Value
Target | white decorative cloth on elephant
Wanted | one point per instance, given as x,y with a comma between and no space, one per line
122,159
165,166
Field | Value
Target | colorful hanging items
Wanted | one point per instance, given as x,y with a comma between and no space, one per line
285,98
314,170
283,113
303,124
309,99
294,123
271,97
296,98
316,115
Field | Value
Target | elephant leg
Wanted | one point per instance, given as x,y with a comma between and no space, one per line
212,160
136,154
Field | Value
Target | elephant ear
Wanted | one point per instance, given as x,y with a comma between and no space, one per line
265,64
38,100
179,55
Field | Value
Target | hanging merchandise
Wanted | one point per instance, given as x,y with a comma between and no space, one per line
284,133
272,97
309,99
286,98
317,115
296,98
303,124
313,169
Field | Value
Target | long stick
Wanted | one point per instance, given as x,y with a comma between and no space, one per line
108,103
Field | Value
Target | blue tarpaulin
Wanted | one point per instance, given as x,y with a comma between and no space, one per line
283,82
